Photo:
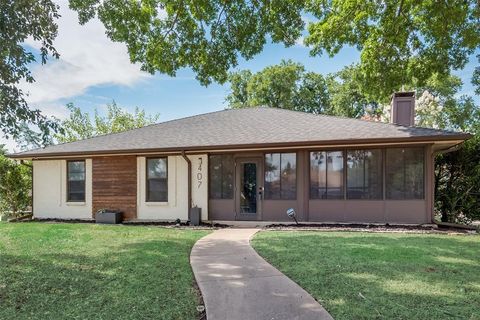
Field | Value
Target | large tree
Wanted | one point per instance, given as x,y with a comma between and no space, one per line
79,125
457,174
19,20
208,36
347,97
286,85
401,42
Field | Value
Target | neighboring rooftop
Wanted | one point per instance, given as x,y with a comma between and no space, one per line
238,128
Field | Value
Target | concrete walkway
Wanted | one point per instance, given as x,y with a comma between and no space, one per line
237,284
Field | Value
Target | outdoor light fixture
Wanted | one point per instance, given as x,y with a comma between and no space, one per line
292,215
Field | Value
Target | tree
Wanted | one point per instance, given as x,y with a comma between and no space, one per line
15,182
208,36
457,174
238,97
312,94
275,86
401,42
19,20
476,77
80,126
119,120
286,85
347,96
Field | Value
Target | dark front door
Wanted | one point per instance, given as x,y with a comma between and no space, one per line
249,191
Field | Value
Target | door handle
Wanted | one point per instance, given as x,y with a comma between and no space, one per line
260,193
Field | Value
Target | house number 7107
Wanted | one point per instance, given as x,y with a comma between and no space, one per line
199,173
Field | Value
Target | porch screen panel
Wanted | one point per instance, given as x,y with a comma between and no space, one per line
405,174
326,175
76,181
157,180
281,176
364,174
221,168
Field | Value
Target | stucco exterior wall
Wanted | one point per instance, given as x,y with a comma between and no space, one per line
177,204
50,195
200,183
50,191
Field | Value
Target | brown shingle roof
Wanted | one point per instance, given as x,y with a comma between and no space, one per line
245,127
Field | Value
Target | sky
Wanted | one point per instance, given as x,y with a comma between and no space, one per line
93,71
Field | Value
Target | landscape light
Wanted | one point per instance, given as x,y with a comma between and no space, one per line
292,215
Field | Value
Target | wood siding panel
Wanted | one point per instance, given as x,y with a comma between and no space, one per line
115,184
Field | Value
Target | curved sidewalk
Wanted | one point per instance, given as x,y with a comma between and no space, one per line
236,283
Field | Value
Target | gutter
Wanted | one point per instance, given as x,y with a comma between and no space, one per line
274,145
451,149
189,184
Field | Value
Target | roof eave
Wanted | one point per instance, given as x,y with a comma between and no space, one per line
386,141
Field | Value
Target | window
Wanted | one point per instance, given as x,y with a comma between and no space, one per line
326,175
281,176
364,174
404,173
220,179
157,182
76,181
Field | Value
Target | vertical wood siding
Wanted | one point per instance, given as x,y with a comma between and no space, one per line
115,184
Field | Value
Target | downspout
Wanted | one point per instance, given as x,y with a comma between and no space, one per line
189,184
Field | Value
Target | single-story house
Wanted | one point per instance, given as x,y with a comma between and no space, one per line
248,164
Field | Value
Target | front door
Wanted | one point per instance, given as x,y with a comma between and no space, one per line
249,191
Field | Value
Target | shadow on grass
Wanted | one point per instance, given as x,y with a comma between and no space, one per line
106,280
381,276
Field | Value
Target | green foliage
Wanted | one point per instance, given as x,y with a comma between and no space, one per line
80,126
19,20
285,86
288,86
15,186
476,77
367,275
347,97
208,36
457,174
87,271
275,86
402,43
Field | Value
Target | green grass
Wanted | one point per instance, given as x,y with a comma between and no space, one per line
357,275
87,271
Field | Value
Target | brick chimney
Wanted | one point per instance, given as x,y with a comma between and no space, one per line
403,109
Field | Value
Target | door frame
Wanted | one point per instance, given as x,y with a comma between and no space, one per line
260,187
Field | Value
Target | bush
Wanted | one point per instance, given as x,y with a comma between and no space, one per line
15,186
457,183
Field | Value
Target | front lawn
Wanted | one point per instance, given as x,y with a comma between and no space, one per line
357,275
87,271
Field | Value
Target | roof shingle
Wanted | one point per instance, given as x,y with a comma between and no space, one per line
242,127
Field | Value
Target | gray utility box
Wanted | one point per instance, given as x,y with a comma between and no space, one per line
195,216
108,217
